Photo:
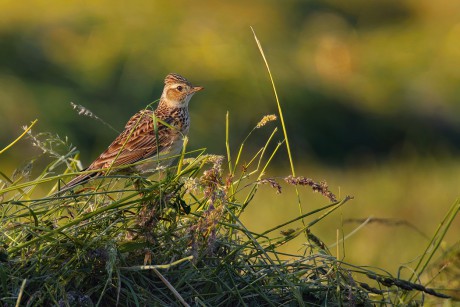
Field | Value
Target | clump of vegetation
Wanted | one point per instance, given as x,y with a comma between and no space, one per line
176,239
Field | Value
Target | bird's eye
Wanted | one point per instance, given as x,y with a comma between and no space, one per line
179,88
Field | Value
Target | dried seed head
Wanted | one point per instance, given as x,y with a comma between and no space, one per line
191,185
81,110
266,119
272,183
321,187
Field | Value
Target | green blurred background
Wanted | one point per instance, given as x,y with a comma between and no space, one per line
369,90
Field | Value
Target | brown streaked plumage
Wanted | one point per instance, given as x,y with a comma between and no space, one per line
141,140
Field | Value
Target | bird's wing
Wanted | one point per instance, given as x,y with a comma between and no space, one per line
139,140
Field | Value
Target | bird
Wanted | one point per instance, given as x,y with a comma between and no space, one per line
148,135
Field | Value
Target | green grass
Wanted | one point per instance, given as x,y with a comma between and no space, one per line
179,242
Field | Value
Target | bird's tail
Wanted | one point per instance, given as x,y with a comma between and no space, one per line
80,179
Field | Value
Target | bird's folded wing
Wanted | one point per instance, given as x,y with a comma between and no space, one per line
139,140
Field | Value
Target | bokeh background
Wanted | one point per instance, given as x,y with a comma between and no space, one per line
370,93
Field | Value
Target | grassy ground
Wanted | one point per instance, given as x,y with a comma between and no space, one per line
186,237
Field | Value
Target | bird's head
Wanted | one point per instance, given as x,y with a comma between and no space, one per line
178,91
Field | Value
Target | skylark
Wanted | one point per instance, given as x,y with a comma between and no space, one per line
148,134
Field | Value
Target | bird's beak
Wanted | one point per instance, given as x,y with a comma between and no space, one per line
196,89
